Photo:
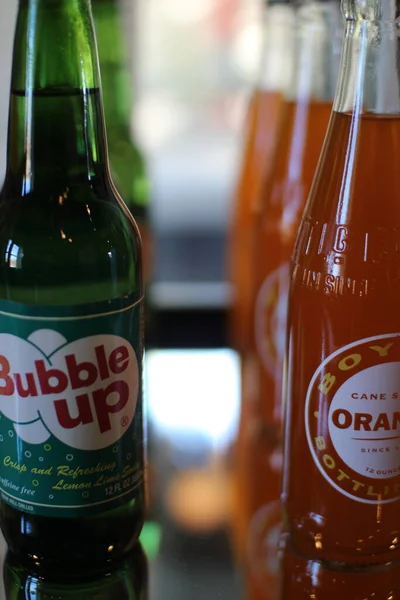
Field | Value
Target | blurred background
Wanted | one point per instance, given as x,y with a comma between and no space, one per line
192,65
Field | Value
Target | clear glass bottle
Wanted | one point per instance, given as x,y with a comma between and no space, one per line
262,132
127,163
71,306
341,473
305,115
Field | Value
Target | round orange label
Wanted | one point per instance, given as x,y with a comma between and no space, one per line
352,418
271,318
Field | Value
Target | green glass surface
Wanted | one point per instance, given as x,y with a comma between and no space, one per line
126,160
128,581
66,238
127,163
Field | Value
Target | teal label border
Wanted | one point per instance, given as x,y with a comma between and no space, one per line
71,430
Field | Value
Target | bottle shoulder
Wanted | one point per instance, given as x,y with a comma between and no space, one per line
83,239
87,207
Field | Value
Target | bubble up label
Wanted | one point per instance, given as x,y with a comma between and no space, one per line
70,407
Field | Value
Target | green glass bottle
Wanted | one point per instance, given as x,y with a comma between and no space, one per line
127,581
126,160
71,310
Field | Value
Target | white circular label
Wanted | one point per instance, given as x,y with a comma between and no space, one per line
84,393
364,421
352,418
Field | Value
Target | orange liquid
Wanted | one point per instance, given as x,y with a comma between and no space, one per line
341,478
263,124
262,128
263,564
257,475
302,136
305,579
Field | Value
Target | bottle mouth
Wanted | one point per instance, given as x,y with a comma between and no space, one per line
371,10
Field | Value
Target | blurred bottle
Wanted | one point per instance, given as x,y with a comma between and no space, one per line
128,581
262,130
342,452
126,160
305,117
262,576
127,163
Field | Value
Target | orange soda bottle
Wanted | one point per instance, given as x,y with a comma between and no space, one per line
259,142
306,112
341,487
264,113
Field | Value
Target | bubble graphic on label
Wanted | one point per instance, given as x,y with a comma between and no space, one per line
47,447
28,454
41,459
47,340
51,497
1,438
115,449
85,494
20,356
78,391
32,433
35,483
10,433
70,457
128,456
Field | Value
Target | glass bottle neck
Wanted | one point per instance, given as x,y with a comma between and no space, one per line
371,10
319,34
56,122
276,62
369,80
113,62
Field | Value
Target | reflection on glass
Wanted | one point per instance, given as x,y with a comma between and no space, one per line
262,556
128,581
255,481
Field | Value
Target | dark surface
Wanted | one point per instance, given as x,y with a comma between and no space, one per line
189,295
190,256
194,568
189,329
